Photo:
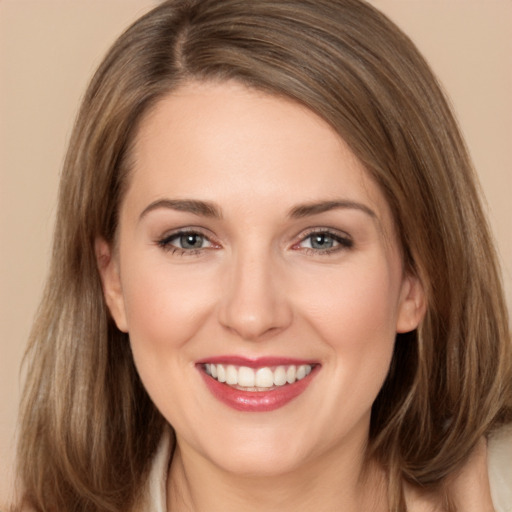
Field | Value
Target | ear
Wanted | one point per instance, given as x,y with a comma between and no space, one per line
108,266
413,304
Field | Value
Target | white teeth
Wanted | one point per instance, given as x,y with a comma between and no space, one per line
264,378
221,372
261,378
246,377
280,376
231,375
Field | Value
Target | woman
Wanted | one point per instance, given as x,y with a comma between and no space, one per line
273,286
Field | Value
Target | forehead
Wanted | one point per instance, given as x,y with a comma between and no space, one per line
220,141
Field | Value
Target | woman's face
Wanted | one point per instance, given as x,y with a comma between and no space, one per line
253,246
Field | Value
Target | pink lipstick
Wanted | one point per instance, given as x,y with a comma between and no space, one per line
256,385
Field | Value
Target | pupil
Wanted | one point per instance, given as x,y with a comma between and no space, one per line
191,241
322,242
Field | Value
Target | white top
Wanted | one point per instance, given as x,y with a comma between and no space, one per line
499,451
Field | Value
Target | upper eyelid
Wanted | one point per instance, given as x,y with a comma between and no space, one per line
330,231
185,231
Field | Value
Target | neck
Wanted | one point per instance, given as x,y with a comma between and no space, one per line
335,481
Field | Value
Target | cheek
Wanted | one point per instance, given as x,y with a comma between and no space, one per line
165,306
356,304
354,314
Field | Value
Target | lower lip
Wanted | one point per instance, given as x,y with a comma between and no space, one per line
256,401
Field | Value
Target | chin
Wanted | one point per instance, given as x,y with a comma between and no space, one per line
260,452
261,463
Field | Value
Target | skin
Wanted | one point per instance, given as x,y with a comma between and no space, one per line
257,287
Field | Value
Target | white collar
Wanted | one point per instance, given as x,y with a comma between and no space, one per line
156,494
499,459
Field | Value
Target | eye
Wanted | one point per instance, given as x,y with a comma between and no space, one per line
190,241
185,242
325,242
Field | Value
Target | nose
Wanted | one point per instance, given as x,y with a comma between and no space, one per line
254,303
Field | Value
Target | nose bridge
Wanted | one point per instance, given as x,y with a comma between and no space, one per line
253,303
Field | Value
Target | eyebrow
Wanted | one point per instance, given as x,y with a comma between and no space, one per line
207,209
202,208
306,210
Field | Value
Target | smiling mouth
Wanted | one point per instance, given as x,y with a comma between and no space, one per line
265,378
262,385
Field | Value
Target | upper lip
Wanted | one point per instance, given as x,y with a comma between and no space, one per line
257,362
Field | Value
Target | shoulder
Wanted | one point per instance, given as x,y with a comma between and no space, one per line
499,456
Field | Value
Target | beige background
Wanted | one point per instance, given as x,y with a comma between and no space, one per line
49,49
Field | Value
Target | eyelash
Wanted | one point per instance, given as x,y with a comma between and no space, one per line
343,242
166,242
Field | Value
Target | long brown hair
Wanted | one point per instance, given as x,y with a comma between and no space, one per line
88,428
